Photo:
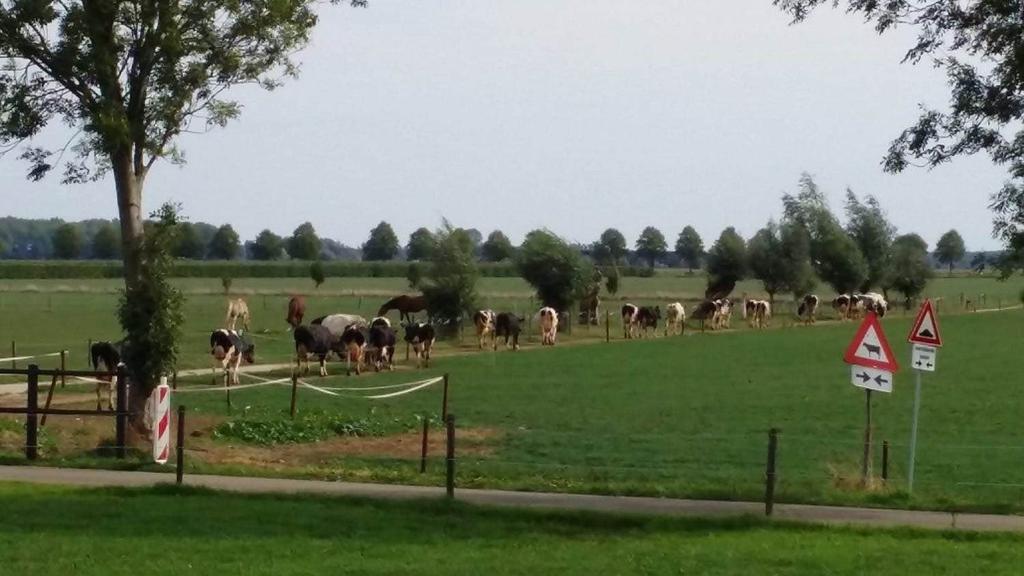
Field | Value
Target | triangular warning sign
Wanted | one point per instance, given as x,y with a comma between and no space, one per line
870,348
926,327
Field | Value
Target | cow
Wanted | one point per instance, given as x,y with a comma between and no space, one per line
421,336
629,320
380,321
337,323
875,302
313,339
762,313
856,309
647,318
237,310
353,343
705,311
508,326
675,318
382,340
228,349
841,304
106,357
296,310
808,309
548,326
723,314
484,322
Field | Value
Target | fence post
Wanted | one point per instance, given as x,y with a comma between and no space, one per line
607,326
88,355
295,388
423,450
174,380
885,460
63,367
14,354
444,399
180,468
49,399
122,410
31,422
769,474
450,457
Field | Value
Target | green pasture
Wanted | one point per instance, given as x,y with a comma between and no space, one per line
169,531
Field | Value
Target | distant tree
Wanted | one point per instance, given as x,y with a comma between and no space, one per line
766,261
382,244
950,249
979,262
611,248
796,249
304,244
911,270
558,272
611,282
476,237
690,247
67,242
727,259
651,245
268,246
450,287
873,234
497,247
225,244
225,283
316,273
106,243
421,245
414,275
187,243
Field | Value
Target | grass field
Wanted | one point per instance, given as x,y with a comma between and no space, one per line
679,416
167,531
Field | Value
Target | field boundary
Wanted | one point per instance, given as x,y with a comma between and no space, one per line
827,515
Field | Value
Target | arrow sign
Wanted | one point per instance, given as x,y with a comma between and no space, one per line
870,348
923,357
864,377
925,329
871,379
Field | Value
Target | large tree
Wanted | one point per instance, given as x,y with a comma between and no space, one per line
873,234
381,245
980,45
304,244
67,242
690,247
450,287
105,243
950,249
421,245
779,256
497,247
651,245
554,268
267,246
225,244
611,248
127,78
727,259
188,243
911,270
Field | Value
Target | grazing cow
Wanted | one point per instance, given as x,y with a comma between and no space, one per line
380,321
757,313
675,318
808,309
647,318
875,302
630,313
723,314
484,322
228,349
296,310
313,339
237,310
548,326
421,336
507,325
337,323
353,342
105,358
382,340
841,304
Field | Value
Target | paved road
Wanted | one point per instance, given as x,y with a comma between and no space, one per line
832,515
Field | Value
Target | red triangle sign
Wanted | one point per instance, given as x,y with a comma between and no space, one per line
870,348
926,327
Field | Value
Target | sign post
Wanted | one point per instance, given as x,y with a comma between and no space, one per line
161,410
872,365
926,340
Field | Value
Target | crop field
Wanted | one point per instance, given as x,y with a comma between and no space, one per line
679,416
113,532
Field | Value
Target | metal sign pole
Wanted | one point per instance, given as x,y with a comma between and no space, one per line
913,432
865,470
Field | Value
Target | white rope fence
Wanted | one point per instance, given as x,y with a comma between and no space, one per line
19,358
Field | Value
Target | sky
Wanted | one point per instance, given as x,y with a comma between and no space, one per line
575,115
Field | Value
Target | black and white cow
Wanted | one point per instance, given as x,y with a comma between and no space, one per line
382,340
841,304
548,319
630,313
808,309
507,326
875,302
228,349
313,339
421,336
106,357
647,318
757,313
483,320
353,342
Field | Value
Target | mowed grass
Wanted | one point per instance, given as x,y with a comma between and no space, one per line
169,531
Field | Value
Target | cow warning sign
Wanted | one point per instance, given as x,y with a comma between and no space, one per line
870,348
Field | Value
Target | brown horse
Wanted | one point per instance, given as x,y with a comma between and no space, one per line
405,305
296,310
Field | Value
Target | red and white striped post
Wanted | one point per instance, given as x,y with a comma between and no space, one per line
161,422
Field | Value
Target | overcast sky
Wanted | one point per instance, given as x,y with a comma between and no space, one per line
574,115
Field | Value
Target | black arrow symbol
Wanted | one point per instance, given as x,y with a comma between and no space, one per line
929,364
881,380
864,377
918,363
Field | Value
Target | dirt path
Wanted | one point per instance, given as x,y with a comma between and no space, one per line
829,515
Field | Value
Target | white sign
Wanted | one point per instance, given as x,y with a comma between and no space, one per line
161,403
871,379
923,358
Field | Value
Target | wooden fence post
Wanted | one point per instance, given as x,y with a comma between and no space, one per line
769,475
88,355
607,326
49,399
885,460
14,354
295,389
63,367
31,422
444,399
122,412
180,468
450,456
174,380
423,449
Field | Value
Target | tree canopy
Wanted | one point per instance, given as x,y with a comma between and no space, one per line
450,287
304,244
873,234
381,245
651,245
779,256
557,271
727,259
267,246
497,247
421,245
611,248
950,249
67,242
690,247
106,245
225,244
911,270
